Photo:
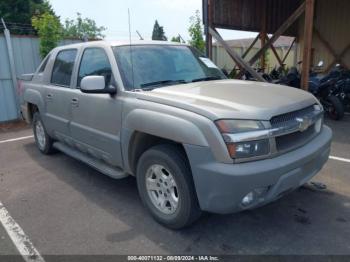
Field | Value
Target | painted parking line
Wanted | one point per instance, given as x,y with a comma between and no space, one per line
16,139
340,159
18,237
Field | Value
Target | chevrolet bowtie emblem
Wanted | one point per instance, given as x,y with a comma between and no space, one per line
304,123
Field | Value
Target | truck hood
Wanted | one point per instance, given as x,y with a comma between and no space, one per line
235,99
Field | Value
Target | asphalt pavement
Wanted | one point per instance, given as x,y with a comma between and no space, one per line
68,208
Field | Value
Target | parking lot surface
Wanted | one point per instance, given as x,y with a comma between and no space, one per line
67,208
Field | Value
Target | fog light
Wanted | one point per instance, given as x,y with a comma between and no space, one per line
248,199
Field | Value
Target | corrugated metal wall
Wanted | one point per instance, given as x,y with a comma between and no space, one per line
27,58
332,21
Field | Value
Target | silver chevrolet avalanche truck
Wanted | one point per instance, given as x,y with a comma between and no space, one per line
164,113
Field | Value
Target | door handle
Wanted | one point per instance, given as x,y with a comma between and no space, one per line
49,96
75,102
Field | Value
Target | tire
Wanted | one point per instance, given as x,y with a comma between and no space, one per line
336,108
170,162
43,141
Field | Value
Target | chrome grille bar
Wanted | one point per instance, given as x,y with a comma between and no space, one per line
291,126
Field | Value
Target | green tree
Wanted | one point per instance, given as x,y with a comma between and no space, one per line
49,30
158,32
177,39
82,28
196,32
18,13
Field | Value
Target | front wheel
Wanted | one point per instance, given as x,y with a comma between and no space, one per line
42,139
166,187
335,108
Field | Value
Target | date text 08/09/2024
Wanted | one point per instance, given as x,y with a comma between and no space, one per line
173,258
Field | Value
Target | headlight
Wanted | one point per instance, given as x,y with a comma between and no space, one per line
252,149
238,126
250,132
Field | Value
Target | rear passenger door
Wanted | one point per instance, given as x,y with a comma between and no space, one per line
58,95
96,118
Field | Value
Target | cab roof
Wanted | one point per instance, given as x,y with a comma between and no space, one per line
105,43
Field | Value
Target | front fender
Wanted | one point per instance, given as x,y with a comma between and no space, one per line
165,126
181,126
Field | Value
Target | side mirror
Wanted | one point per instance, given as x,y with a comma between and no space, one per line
95,85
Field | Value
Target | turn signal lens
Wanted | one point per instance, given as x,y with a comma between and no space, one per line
231,150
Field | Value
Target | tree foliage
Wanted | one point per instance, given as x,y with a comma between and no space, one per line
82,28
196,32
49,30
177,39
158,32
18,13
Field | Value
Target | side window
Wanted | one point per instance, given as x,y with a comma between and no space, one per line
63,67
95,62
43,65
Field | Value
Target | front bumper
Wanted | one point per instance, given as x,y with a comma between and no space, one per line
221,187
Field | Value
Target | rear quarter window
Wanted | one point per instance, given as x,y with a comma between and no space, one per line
43,64
63,67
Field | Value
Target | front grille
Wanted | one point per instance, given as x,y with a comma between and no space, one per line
291,116
293,140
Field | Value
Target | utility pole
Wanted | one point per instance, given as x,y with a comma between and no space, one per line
12,65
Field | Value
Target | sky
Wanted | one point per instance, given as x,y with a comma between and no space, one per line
173,15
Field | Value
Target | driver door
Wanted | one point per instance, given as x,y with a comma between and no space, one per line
96,118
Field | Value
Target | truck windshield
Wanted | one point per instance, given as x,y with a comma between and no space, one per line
152,66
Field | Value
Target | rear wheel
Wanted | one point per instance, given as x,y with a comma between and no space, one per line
166,188
42,139
335,108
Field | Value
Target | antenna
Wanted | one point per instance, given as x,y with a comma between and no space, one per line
3,22
141,38
131,60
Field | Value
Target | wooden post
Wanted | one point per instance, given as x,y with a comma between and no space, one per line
263,35
279,60
246,52
208,23
251,46
289,49
235,56
308,30
338,58
279,32
262,57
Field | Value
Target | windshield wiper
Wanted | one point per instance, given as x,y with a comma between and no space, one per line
208,78
163,82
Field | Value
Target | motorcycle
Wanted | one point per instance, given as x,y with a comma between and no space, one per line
342,89
291,79
324,90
